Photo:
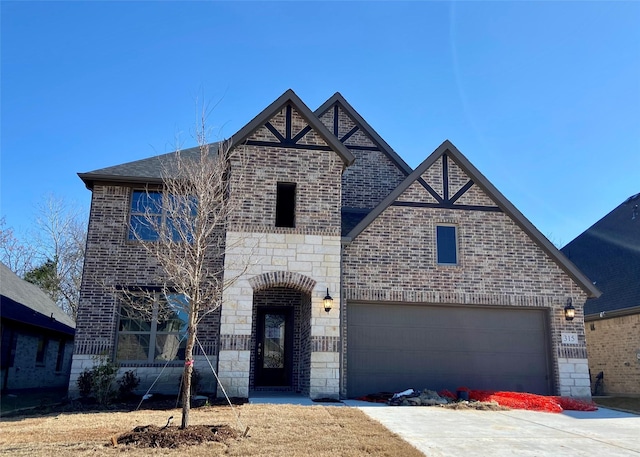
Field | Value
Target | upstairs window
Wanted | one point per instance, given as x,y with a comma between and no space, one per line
152,328
146,215
447,244
152,212
286,205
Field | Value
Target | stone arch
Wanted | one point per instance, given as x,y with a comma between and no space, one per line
290,279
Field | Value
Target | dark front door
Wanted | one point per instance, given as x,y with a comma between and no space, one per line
274,346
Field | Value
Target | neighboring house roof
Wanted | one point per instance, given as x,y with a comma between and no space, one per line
609,253
24,302
501,201
142,171
337,98
290,97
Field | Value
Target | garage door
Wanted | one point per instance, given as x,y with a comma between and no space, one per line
394,347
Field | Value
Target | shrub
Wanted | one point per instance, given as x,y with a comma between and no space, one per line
104,374
127,384
98,381
84,383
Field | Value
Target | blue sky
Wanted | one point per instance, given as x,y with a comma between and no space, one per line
543,98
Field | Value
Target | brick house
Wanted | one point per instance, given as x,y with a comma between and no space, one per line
609,252
36,337
436,279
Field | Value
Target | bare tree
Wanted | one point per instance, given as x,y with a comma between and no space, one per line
60,241
53,254
186,236
16,255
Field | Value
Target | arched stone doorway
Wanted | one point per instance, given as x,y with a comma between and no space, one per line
281,332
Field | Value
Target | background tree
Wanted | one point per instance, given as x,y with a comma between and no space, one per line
16,255
61,240
188,239
52,255
45,278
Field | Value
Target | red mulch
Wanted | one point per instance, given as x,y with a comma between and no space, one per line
532,402
444,393
514,400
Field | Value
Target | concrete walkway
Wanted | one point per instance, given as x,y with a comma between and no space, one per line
445,432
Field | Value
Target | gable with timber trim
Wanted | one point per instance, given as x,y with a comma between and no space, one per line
455,188
376,170
445,185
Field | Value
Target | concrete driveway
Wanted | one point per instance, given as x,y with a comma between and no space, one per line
444,432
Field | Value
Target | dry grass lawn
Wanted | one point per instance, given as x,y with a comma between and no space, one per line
275,430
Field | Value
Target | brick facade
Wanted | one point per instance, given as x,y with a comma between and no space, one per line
26,373
373,175
392,260
614,348
112,261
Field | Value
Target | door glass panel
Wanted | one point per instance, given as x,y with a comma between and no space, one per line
274,328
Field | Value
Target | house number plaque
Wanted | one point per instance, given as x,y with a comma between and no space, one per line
569,338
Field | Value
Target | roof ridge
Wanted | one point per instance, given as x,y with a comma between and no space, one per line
289,96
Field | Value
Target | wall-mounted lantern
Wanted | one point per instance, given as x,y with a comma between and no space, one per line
327,302
569,310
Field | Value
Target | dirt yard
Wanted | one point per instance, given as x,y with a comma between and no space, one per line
274,430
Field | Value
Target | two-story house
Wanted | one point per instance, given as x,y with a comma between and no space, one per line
437,280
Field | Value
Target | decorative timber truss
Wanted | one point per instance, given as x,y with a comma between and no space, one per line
288,139
446,200
349,134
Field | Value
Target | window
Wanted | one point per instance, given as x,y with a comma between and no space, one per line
42,350
286,205
152,328
146,215
152,212
447,245
60,359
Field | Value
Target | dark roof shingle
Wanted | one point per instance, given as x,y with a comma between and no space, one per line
609,253
24,302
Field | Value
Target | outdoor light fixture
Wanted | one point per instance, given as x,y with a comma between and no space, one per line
569,310
328,302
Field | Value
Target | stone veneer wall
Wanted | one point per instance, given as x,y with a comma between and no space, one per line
112,260
614,348
275,255
394,260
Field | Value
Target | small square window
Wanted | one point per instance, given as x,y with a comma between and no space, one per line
286,205
447,245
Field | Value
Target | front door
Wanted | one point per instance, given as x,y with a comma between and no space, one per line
274,346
